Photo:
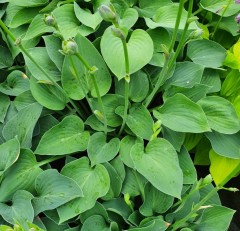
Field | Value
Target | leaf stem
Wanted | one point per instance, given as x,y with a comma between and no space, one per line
182,221
127,80
93,77
220,19
10,34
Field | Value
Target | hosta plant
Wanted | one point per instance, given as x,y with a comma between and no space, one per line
108,107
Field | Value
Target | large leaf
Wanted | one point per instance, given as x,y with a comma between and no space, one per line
140,122
221,114
78,84
223,168
218,7
140,51
22,125
27,3
154,163
94,182
9,153
181,114
53,190
5,102
40,55
206,52
66,137
21,209
21,175
48,95
155,201
99,150
225,145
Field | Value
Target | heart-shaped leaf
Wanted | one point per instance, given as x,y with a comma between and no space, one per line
99,150
66,137
94,182
53,190
155,163
140,51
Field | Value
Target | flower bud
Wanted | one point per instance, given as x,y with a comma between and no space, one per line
207,180
237,1
50,20
119,33
69,47
238,19
196,34
108,13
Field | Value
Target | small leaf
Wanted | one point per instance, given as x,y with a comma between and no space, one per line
140,51
129,18
15,84
94,182
22,125
20,211
139,115
53,190
223,168
221,114
156,160
95,222
21,175
180,114
9,153
66,137
100,151
207,53
155,201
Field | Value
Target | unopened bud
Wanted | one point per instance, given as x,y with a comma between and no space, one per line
69,47
93,70
196,34
50,20
207,180
99,115
108,13
119,33
192,19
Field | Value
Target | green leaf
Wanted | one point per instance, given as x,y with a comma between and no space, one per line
77,88
95,222
15,84
215,218
40,55
187,166
221,114
21,175
223,168
48,95
155,201
68,23
125,148
181,114
140,51
9,153
186,74
129,18
155,160
6,60
225,145
211,78
24,100
66,137
101,151
94,182
27,3
138,86
166,16
53,190
110,103
137,117
22,125
37,28
206,52
53,45
86,17
21,209
218,7
5,103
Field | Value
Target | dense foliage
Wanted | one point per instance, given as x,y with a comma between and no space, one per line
107,107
